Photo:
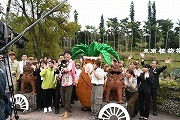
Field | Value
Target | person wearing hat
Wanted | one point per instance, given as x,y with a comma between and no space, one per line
15,70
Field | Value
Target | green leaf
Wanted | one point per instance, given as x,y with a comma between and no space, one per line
79,49
77,53
111,51
92,50
80,46
106,56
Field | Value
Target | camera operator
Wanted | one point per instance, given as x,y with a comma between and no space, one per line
5,104
2,91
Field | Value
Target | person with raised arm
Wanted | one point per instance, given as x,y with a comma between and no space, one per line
156,72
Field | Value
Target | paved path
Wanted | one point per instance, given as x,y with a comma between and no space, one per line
81,115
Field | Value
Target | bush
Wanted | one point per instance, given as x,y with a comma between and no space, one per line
168,99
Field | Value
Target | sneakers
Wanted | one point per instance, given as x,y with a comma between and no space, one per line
45,110
49,109
145,118
141,118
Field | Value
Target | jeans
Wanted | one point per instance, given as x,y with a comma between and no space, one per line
2,110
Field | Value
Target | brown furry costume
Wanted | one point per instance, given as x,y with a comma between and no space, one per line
28,77
115,81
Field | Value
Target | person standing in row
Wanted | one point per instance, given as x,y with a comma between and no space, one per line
22,64
15,70
48,86
97,79
68,80
39,79
156,72
145,81
131,90
58,78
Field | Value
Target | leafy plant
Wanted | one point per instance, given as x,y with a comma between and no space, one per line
95,49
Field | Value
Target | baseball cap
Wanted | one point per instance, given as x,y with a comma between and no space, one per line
11,53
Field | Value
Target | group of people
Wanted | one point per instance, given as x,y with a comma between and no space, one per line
56,82
141,86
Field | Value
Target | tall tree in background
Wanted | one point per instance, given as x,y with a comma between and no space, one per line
178,23
153,29
113,25
76,16
132,13
151,24
165,27
102,29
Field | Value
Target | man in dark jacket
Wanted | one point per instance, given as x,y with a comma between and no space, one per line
2,93
156,72
145,81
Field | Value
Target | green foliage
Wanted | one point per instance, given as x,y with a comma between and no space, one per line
168,84
168,89
95,49
45,37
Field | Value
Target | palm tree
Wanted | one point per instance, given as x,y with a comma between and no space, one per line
95,49
179,31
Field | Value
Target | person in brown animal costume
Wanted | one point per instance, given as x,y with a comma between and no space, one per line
115,81
28,77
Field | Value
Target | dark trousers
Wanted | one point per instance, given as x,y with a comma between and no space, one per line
58,96
73,97
144,104
136,107
19,83
2,110
39,95
154,98
66,93
131,100
47,97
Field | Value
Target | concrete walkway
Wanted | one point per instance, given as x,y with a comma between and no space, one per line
81,115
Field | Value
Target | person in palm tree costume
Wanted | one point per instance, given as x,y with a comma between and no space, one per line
91,53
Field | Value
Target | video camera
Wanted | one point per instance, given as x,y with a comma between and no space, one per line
63,65
11,34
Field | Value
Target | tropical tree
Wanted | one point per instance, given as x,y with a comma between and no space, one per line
91,33
165,26
125,30
132,14
178,23
153,24
113,25
102,29
75,16
95,49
